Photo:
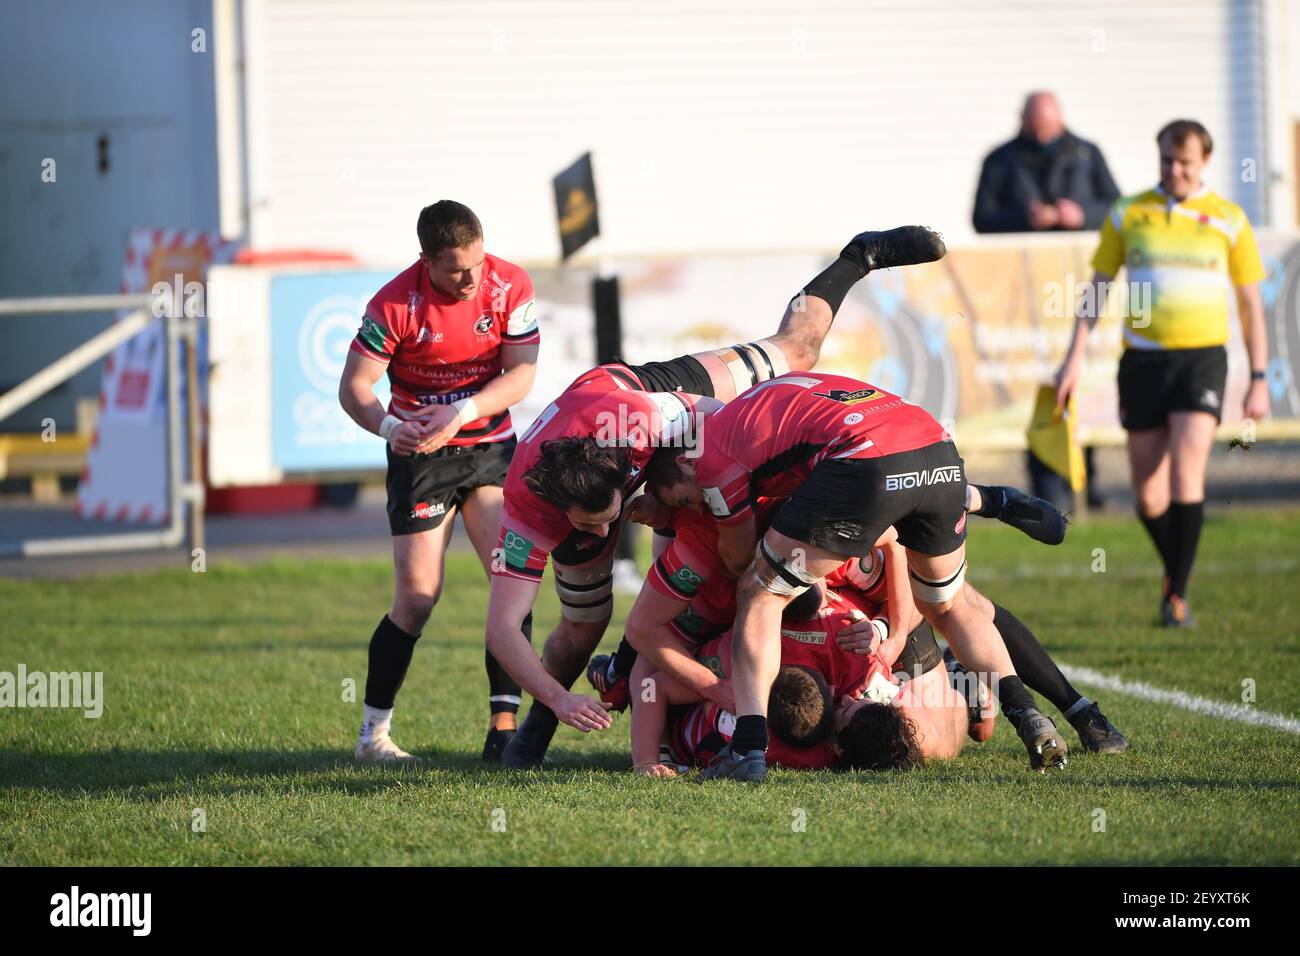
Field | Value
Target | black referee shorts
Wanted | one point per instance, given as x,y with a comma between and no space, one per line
1153,383
423,489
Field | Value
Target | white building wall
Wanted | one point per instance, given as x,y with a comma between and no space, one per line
726,125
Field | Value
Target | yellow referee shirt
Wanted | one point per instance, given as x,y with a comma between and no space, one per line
1186,256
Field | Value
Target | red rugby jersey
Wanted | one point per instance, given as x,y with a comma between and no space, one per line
698,734
690,569
439,349
813,644
602,403
767,440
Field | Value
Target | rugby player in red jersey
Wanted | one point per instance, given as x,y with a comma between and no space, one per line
585,454
852,460
457,335
673,729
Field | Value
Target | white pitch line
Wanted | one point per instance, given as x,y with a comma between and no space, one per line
1145,570
1200,705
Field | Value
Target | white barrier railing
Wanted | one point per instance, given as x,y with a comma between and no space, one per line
176,329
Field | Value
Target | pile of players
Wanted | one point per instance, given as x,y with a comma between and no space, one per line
811,541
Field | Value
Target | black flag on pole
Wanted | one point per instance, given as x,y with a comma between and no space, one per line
575,206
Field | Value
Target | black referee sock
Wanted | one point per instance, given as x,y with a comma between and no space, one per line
1158,529
624,659
751,734
1014,699
834,282
1032,662
503,690
1185,520
390,655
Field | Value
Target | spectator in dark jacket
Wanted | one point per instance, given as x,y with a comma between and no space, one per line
1045,178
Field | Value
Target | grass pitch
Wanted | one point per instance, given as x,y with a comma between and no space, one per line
225,694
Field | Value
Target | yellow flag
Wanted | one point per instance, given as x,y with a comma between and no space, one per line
1052,437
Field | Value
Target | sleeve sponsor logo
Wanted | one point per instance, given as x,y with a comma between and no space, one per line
516,549
686,580
714,663
523,319
717,503
373,335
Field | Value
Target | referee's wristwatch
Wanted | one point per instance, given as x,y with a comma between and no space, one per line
1258,375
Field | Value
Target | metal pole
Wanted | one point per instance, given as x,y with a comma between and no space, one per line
175,499
194,487
76,303
69,365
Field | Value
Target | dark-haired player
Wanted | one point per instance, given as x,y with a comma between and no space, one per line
672,729
457,335
585,454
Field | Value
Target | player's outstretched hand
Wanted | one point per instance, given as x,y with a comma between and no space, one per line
655,770
583,712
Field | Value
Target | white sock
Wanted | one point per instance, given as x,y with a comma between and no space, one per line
375,722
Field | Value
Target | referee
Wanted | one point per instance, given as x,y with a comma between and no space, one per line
1184,247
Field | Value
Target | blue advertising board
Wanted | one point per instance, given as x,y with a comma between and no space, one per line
314,317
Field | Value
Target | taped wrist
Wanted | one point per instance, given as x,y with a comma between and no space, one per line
387,425
467,410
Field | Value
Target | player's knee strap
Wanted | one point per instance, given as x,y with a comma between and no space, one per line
586,601
753,363
938,592
779,575
774,359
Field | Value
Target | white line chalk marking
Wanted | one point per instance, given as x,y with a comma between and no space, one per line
1177,698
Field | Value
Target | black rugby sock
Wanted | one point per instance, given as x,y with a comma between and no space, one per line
1185,520
501,685
624,659
833,283
751,734
1032,662
390,655
992,499
1014,699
